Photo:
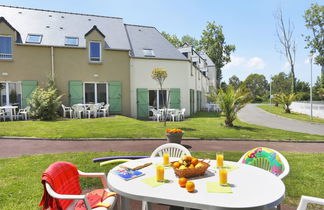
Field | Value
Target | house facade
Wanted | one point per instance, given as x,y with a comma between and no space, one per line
93,59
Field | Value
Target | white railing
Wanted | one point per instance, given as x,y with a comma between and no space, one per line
304,107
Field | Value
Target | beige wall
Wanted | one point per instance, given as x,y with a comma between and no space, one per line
178,72
35,63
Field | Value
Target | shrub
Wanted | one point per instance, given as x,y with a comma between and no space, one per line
287,99
45,102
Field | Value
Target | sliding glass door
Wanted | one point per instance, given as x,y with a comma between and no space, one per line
95,92
10,93
157,98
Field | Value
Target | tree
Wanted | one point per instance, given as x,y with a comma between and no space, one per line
319,87
258,85
314,18
230,102
173,39
235,82
288,44
280,83
160,75
286,100
213,43
190,41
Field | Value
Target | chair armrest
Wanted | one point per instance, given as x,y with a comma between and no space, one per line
52,193
102,176
307,199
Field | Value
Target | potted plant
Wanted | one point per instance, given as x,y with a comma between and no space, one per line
174,135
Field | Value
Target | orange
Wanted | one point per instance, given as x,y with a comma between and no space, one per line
182,182
176,164
190,186
191,166
194,161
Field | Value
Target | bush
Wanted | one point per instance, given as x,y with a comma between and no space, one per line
45,103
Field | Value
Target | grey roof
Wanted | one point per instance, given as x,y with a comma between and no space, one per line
55,26
146,37
207,59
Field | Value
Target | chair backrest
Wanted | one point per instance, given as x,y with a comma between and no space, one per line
183,110
267,159
107,106
63,177
174,150
63,107
307,199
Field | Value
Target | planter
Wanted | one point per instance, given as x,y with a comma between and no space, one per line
174,137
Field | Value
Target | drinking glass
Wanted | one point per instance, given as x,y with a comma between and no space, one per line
219,159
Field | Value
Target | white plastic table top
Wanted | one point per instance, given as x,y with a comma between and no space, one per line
253,188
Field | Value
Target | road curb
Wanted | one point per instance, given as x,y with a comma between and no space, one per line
154,139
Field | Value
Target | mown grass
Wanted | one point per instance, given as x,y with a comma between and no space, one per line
21,188
296,116
205,125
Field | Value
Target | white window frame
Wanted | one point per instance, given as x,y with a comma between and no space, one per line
158,98
8,93
95,91
37,42
71,37
3,54
152,54
100,54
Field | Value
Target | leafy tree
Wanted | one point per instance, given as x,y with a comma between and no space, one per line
288,44
45,102
258,85
190,41
173,39
214,44
286,100
314,18
319,87
235,82
230,102
160,75
280,83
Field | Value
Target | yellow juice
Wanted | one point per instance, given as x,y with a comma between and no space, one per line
223,177
159,173
166,159
220,160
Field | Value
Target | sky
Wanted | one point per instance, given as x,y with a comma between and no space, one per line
249,25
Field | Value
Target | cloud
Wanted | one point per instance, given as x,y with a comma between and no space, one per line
256,63
244,63
286,66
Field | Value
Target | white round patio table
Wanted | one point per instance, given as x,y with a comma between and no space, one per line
253,188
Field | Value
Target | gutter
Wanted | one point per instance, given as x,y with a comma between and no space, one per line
52,62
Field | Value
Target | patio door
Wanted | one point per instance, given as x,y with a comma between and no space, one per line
10,93
95,92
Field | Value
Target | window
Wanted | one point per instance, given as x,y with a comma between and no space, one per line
95,92
95,51
34,38
71,41
10,93
185,54
157,102
5,47
148,53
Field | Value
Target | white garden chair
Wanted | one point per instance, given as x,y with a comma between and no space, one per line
78,111
23,113
67,109
92,110
182,114
104,110
175,115
307,199
264,161
2,114
174,150
157,115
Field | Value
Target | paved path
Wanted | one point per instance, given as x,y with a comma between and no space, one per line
254,115
16,148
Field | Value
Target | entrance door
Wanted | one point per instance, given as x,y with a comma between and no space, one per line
95,93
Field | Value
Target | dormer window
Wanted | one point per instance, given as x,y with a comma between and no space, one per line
148,53
5,48
71,41
95,52
34,38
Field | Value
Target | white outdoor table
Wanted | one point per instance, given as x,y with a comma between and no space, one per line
12,110
253,188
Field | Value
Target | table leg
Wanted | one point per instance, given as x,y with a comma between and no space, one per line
146,205
124,203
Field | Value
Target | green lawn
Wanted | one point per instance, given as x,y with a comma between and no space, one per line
297,116
21,188
205,125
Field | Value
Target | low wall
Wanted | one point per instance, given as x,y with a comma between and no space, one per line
304,107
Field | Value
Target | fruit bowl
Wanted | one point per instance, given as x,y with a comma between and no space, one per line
191,172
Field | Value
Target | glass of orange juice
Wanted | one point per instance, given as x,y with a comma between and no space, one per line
223,176
219,159
160,173
166,158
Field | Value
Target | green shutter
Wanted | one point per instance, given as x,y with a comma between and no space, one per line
27,86
75,92
175,98
114,90
198,100
192,101
142,103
